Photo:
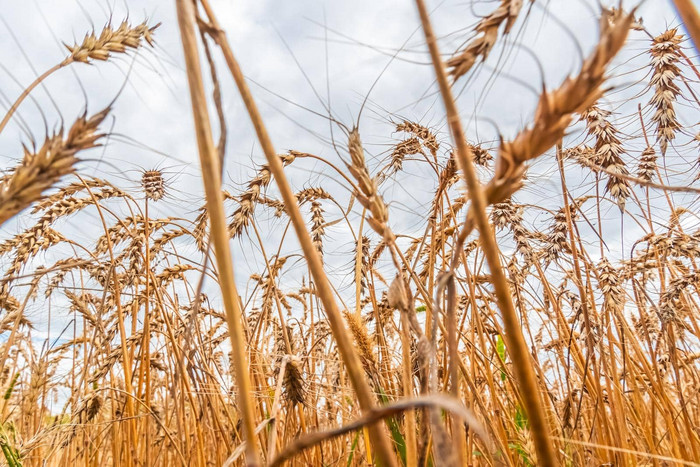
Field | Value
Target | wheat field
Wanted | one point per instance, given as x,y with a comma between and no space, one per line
507,276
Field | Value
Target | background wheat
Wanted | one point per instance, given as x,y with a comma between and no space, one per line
392,346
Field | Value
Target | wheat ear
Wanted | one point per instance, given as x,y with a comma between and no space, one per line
487,34
92,48
40,170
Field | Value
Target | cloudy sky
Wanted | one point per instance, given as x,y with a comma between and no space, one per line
280,45
300,57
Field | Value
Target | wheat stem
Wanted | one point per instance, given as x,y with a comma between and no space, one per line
342,336
211,173
516,345
28,91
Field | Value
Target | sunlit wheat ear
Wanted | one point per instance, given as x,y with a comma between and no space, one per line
310,194
508,214
153,185
405,148
610,285
557,241
249,198
111,41
672,306
165,238
362,342
8,303
583,155
318,225
481,156
424,134
367,194
647,165
487,34
665,56
608,152
364,263
40,170
503,214
555,111
69,190
521,235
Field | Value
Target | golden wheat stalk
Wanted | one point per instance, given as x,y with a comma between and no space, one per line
358,379
211,173
515,342
691,19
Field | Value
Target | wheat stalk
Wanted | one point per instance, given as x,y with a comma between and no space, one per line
211,171
516,344
691,19
357,377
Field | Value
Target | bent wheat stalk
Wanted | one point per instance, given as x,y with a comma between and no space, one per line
516,345
92,48
449,404
211,174
378,435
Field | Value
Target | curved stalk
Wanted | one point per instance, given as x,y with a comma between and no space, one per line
11,111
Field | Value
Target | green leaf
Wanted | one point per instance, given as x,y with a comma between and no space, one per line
352,448
521,418
11,454
522,453
8,393
501,348
394,428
